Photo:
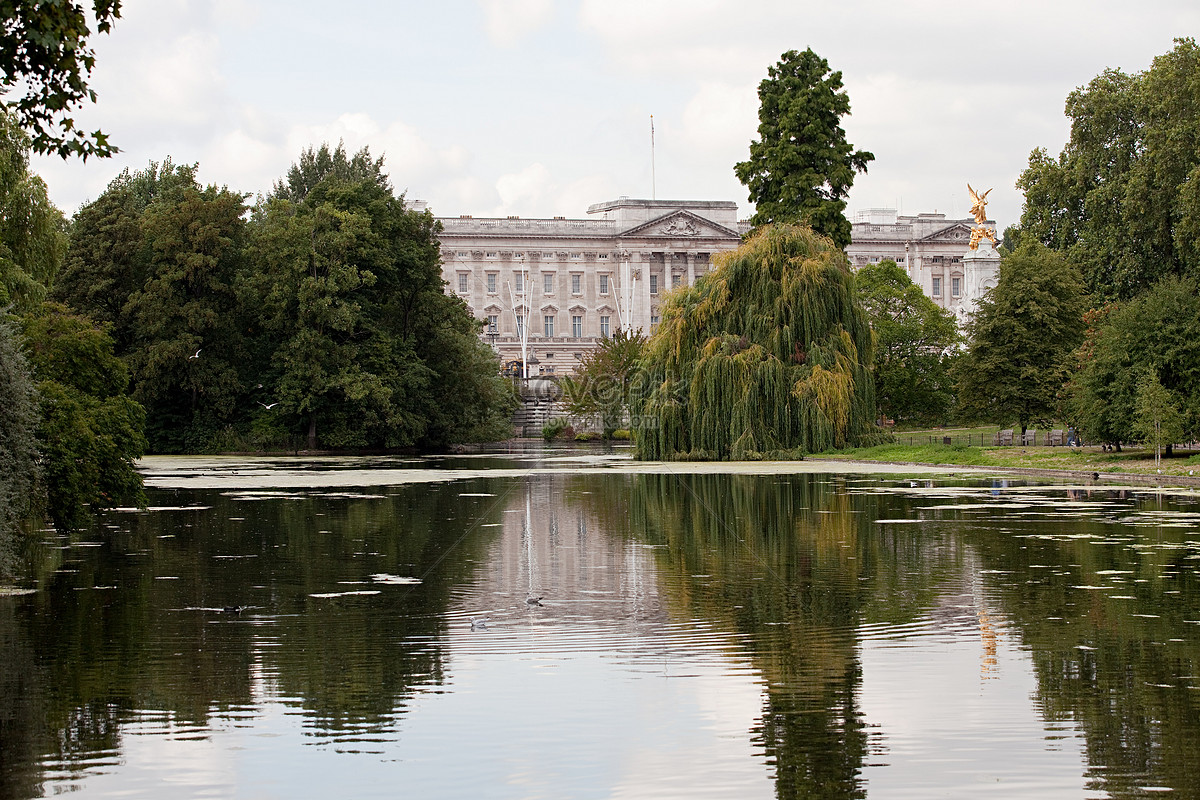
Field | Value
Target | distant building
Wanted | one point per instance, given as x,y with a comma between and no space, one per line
934,252
574,281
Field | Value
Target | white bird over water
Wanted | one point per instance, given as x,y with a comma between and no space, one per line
478,623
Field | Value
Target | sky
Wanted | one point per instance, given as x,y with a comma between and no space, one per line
539,108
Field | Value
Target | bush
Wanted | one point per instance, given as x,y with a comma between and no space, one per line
555,427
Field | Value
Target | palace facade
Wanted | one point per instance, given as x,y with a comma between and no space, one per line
574,281
933,250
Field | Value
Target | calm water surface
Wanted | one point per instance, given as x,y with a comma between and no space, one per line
702,633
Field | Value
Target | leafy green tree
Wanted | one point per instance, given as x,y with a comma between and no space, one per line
1123,197
109,255
1158,331
801,167
1021,338
368,349
18,426
1156,417
44,50
769,352
915,341
605,378
185,322
32,238
91,430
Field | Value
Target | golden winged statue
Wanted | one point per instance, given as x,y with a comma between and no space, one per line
978,204
978,210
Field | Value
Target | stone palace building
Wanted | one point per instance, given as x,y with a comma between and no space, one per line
573,281
934,252
566,283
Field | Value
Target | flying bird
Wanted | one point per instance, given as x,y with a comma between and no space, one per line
267,407
195,354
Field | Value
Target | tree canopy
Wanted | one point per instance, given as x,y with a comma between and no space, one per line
769,352
915,341
1122,199
45,50
318,317
1021,338
1158,332
801,167
604,379
32,235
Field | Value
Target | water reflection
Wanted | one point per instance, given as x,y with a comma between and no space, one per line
806,636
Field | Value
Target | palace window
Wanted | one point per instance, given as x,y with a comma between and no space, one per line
493,323
603,284
602,255
520,325
937,287
576,256
576,325
548,282
549,324
576,280
491,282
462,283
653,284
954,286
676,280
519,280
654,321
489,255
604,326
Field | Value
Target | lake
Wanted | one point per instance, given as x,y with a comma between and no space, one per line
367,627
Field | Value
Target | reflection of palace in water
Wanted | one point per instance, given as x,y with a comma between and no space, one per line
554,548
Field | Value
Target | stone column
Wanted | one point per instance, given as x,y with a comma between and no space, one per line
691,268
643,315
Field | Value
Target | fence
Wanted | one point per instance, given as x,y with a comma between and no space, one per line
1011,438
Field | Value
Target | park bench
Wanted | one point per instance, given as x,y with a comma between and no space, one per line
1030,437
1055,438
1003,438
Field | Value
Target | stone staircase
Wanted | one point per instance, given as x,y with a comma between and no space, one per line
533,414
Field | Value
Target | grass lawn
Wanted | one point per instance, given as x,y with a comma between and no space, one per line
915,446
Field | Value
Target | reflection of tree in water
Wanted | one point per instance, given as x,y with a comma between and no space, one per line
780,563
1098,665
80,662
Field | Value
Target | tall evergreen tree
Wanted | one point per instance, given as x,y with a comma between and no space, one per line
801,167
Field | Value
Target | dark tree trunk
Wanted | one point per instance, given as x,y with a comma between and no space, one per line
312,432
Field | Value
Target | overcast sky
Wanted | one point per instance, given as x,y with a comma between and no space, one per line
542,107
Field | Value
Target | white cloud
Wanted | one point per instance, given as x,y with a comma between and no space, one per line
509,21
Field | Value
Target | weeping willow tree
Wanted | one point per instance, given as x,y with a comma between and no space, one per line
766,354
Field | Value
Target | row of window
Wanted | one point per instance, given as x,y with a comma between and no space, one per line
548,283
544,255
493,325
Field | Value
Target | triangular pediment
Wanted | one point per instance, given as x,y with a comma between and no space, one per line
680,225
952,233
